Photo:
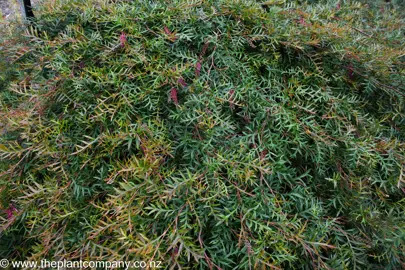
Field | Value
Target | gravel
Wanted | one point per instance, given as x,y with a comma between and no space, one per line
10,8
6,8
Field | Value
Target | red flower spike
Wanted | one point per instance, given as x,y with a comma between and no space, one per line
171,36
10,211
197,69
338,6
123,39
302,21
167,31
173,96
182,82
204,50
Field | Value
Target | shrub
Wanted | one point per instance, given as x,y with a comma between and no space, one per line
206,134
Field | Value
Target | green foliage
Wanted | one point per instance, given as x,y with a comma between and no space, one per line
206,134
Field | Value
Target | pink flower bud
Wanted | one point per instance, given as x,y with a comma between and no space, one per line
123,39
173,95
182,82
197,69
10,211
167,31
302,21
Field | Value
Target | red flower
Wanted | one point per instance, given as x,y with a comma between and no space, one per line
302,21
173,96
197,69
182,82
10,211
123,39
171,36
167,31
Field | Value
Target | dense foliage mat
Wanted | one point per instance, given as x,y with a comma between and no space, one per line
206,134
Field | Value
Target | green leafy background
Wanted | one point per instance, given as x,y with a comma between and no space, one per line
285,150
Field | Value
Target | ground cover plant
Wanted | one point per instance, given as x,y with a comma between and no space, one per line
221,134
